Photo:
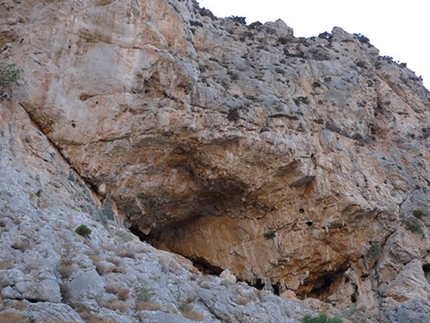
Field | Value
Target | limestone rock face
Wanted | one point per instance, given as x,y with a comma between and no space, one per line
50,273
299,162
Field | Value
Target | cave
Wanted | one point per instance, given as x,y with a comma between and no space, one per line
323,287
135,230
426,269
205,267
260,284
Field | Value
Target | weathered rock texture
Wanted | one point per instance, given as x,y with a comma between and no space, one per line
50,274
302,162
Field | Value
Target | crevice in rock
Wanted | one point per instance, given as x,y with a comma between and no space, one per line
426,269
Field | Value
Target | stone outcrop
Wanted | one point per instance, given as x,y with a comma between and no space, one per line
50,273
292,162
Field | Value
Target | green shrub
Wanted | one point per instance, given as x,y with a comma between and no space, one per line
145,294
270,234
363,39
418,213
9,75
374,249
321,318
83,230
414,226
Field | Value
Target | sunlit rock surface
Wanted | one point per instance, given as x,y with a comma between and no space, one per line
292,162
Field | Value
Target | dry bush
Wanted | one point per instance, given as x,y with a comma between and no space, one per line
119,270
187,311
118,263
65,269
95,259
128,253
120,291
116,306
147,306
193,316
18,305
91,317
21,244
103,269
205,285
241,300
6,265
109,247
123,293
111,288
12,317
115,260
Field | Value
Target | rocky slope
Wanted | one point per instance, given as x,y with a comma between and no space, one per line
298,164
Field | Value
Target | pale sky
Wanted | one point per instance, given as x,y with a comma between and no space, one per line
397,28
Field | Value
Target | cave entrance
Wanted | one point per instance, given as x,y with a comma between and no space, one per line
135,230
426,269
200,263
205,267
265,284
323,287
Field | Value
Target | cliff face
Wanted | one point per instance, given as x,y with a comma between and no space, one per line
299,161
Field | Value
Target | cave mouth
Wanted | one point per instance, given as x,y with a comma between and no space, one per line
320,289
426,269
323,287
206,267
265,284
137,232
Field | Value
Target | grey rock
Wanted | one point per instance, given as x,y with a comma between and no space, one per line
87,285
52,312
416,311
160,317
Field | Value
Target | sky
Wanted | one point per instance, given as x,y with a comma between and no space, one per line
399,31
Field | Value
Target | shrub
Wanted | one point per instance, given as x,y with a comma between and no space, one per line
363,39
21,244
414,227
374,249
240,20
193,316
325,35
225,86
283,40
279,70
301,99
321,318
146,306
115,305
270,234
418,213
10,316
9,75
83,230
145,294
241,300
233,115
